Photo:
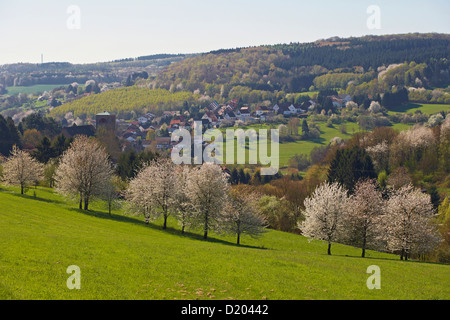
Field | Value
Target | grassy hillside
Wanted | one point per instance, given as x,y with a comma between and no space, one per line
33,89
422,107
122,258
289,149
126,99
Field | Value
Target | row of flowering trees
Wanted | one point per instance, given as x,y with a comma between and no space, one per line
84,171
198,197
402,223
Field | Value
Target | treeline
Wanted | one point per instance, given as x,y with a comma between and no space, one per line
358,64
28,74
35,133
359,52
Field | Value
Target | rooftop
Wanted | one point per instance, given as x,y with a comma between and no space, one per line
105,113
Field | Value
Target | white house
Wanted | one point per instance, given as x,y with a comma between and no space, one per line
276,108
260,110
142,120
244,112
345,97
211,117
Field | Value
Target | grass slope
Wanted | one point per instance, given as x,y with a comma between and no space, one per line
33,89
289,149
126,99
428,109
122,258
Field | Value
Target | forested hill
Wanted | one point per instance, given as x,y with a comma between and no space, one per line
293,67
367,52
28,74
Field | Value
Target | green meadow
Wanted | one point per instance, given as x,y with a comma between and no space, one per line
422,107
33,89
120,257
289,149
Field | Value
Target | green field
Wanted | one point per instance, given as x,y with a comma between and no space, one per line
289,149
122,258
33,89
423,107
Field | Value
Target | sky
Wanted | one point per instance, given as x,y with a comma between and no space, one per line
81,31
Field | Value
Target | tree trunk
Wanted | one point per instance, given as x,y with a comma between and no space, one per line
86,204
364,248
81,202
205,235
165,222
402,254
21,189
238,239
329,248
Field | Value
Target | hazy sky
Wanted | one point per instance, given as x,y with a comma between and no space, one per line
114,29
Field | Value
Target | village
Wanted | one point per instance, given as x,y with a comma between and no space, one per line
152,131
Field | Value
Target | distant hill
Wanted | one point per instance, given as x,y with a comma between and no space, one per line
363,66
293,67
28,74
126,100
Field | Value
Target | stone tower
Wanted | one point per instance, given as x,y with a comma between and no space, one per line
106,120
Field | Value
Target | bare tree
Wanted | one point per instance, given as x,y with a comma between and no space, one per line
408,224
362,218
323,213
241,214
84,171
399,178
111,194
207,191
21,169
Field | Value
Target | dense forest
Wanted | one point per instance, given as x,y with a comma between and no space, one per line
369,65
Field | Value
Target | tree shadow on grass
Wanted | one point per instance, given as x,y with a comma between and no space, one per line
405,107
395,258
29,197
319,140
361,258
169,230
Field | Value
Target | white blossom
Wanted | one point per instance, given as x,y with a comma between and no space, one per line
207,190
363,215
241,215
407,222
21,169
84,171
323,213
